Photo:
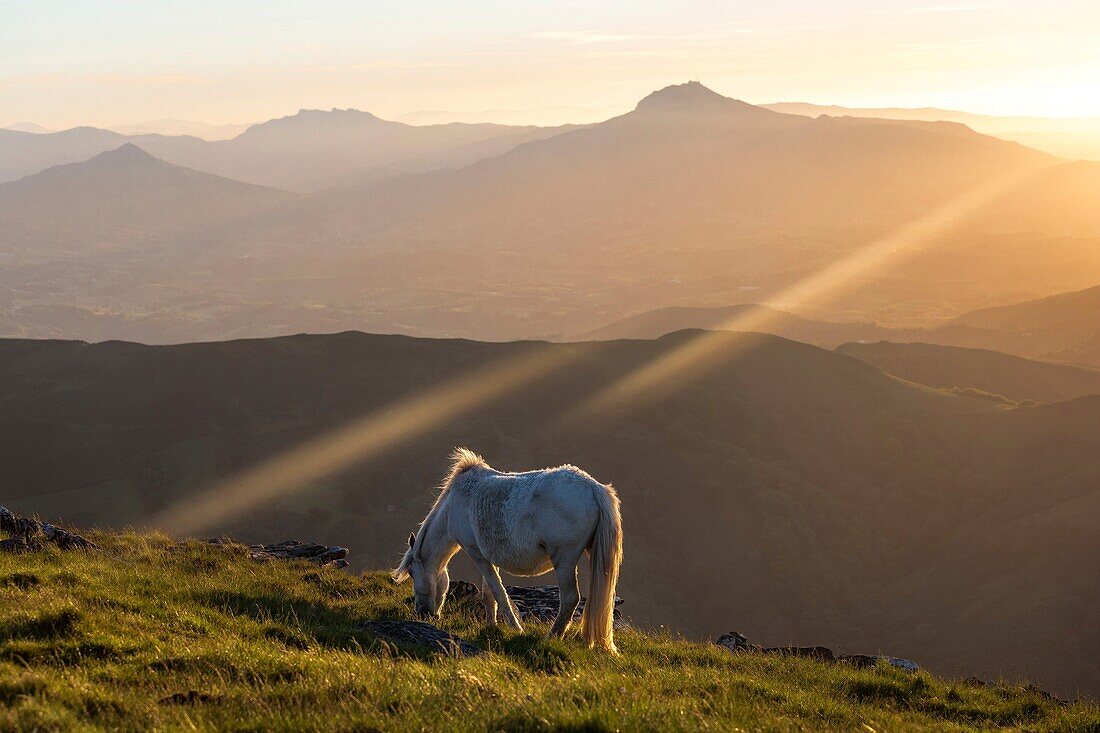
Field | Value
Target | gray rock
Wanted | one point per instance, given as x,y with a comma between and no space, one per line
870,660
418,633
820,653
324,555
28,535
19,545
736,642
537,602
905,664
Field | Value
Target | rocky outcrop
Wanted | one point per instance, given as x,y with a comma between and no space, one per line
739,643
870,660
324,555
30,535
420,634
736,642
536,602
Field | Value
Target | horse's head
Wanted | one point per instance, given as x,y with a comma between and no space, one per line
429,585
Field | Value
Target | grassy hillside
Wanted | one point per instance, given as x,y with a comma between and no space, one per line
141,635
834,504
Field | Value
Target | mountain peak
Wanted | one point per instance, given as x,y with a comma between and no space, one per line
693,97
124,153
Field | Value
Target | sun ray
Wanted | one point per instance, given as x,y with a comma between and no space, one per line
667,371
360,440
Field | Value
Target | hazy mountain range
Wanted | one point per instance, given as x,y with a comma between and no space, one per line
172,126
833,504
1068,137
492,232
166,126
308,151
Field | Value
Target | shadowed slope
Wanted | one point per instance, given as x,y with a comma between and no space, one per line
989,371
813,484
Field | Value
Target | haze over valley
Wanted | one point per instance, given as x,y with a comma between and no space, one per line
490,232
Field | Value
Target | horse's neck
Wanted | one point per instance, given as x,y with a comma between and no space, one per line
439,546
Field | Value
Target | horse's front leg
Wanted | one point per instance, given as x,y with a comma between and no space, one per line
492,579
490,603
569,595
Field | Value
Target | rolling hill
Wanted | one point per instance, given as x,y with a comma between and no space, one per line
841,506
1064,326
950,367
656,323
1059,328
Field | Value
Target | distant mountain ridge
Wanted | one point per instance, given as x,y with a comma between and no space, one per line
171,126
308,151
1068,137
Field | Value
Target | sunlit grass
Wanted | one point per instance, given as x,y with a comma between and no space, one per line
140,636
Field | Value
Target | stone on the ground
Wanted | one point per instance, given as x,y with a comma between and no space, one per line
736,642
905,664
870,660
324,555
820,653
418,633
28,535
537,602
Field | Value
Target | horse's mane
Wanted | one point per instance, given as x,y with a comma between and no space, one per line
462,460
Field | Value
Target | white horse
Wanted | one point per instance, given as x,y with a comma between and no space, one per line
526,523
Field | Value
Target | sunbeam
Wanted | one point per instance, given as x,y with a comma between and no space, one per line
360,440
666,372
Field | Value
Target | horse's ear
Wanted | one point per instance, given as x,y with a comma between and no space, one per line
412,539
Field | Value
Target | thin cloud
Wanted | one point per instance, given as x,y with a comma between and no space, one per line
583,38
127,79
930,9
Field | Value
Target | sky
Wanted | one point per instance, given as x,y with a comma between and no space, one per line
65,62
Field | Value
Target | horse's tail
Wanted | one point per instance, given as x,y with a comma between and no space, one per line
606,553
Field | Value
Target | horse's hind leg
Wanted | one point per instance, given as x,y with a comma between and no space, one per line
490,603
568,595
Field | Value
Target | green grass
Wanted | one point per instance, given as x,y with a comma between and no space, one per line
140,637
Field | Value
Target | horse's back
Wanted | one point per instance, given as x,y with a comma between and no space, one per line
523,514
